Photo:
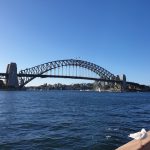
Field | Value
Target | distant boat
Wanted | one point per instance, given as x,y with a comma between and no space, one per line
87,90
99,90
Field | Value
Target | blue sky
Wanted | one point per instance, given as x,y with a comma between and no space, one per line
114,34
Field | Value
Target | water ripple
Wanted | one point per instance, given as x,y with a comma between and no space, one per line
64,120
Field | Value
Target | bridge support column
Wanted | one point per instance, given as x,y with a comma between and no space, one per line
12,80
123,85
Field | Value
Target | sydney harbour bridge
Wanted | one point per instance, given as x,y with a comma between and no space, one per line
69,68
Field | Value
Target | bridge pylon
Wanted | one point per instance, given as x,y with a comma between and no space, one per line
12,79
124,84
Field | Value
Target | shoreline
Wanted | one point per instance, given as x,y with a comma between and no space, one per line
80,90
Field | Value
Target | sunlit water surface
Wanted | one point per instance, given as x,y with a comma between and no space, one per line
70,120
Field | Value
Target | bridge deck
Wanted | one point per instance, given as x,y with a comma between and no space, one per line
68,77
2,75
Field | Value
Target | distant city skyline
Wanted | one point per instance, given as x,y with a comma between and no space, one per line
112,34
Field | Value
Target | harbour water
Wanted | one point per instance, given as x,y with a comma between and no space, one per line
70,120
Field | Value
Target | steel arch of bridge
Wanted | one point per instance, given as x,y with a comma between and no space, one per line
43,68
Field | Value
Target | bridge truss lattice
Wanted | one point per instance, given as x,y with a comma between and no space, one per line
63,65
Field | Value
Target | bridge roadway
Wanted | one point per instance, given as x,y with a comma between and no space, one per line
67,77
77,77
3,75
